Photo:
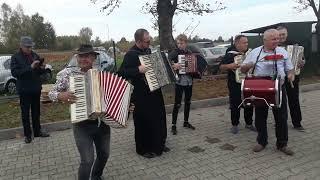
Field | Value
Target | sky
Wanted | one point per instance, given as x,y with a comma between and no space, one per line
69,16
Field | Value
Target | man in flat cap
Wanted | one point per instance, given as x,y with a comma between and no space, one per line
26,67
88,132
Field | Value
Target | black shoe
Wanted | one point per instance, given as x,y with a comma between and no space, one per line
299,128
251,127
174,130
42,134
27,140
97,178
188,125
166,149
149,155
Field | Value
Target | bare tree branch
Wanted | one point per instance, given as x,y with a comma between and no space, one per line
110,6
305,4
314,8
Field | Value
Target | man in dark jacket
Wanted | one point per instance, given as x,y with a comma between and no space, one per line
149,114
240,47
292,92
27,68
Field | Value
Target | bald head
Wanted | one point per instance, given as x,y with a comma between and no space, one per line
271,39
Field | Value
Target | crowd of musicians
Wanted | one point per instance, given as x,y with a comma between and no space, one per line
150,123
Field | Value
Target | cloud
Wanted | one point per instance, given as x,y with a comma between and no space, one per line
69,16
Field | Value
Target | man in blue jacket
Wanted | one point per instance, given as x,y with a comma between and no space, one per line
27,68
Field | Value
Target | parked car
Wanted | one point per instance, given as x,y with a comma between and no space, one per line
103,62
8,82
213,56
203,44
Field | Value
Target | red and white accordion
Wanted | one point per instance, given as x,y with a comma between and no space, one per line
188,63
100,95
261,91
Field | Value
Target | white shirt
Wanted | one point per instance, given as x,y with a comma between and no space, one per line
266,67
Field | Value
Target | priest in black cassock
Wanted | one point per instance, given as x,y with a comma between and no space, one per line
149,113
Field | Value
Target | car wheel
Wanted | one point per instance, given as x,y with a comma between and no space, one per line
11,87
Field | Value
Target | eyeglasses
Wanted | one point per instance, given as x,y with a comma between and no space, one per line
28,47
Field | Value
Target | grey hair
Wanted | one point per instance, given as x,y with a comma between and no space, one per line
269,32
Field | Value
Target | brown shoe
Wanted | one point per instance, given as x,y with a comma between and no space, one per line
286,150
258,148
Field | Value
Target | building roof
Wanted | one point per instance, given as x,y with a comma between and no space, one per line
262,29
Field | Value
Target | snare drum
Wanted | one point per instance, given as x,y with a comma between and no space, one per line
261,91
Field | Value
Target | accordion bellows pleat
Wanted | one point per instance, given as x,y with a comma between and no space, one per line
100,95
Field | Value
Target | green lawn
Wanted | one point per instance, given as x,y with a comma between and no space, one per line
10,114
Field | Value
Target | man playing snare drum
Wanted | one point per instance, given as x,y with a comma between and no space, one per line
278,68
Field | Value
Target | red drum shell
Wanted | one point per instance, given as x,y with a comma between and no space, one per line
257,91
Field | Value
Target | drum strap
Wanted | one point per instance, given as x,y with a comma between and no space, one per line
275,75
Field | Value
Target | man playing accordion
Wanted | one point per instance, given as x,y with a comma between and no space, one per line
292,92
149,114
89,133
228,63
183,85
276,68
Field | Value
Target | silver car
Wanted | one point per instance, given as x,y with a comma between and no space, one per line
213,56
103,62
8,82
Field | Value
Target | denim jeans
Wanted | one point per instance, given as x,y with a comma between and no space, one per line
87,135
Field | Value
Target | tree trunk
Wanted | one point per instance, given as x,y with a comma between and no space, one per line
165,16
318,35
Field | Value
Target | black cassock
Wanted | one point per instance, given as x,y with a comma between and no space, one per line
149,114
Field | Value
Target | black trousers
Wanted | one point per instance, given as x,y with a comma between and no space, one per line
280,117
177,102
87,133
293,101
235,101
30,101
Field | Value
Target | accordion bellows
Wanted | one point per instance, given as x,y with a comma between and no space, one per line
295,53
100,95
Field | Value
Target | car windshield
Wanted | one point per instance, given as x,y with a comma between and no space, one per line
217,51
103,62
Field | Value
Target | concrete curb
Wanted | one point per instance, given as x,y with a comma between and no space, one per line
63,125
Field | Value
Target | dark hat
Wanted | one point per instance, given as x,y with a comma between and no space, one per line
26,41
86,49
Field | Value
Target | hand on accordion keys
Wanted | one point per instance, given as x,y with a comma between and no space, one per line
291,79
67,97
234,66
301,63
176,66
131,107
142,69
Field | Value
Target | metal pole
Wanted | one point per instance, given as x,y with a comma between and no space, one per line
114,56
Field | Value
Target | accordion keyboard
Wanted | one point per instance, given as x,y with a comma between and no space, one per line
182,63
150,74
78,109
